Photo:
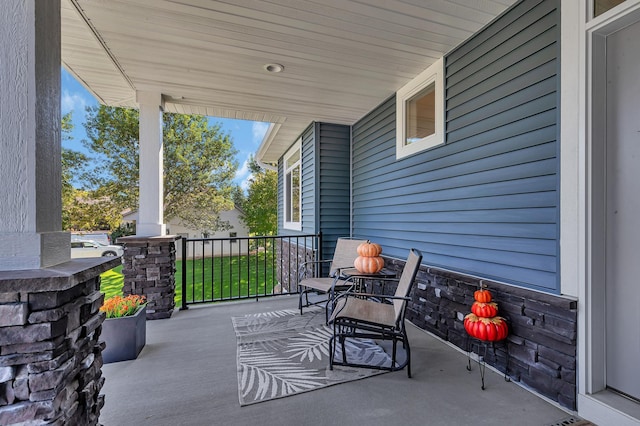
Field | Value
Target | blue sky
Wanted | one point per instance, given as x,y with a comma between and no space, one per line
246,135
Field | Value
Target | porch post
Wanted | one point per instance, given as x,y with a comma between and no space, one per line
50,320
31,234
149,257
150,211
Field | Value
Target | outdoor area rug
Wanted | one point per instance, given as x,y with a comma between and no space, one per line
283,353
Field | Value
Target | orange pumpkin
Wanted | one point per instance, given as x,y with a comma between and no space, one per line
369,249
490,329
482,295
485,310
369,265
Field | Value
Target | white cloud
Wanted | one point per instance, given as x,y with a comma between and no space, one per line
243,175
259,129
245,182
73,102
243,171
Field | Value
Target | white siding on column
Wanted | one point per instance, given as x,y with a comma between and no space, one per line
151,167
30,164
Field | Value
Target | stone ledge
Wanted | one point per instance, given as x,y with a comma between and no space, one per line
55,278
565,301
140,239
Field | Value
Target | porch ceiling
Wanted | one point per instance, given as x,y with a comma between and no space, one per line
341,57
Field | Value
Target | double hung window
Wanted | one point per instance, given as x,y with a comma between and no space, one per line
292,188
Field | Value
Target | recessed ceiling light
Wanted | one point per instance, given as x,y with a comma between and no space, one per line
273,67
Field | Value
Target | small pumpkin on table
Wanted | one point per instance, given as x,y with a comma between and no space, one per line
369,260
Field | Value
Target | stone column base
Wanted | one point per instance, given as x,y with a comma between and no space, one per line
149,266
50,356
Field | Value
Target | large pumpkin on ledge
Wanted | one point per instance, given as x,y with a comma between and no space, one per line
483,322
369,260
490,329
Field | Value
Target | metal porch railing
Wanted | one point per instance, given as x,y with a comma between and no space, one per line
220,269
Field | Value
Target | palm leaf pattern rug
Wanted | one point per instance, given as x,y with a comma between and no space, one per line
283,353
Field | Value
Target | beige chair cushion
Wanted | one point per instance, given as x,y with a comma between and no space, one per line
365,310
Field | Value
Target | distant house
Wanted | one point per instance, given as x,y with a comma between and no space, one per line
227,245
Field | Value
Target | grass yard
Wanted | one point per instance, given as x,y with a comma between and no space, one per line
211,279
229,277
111,282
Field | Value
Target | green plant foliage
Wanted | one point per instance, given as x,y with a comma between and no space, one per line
260,210
119,306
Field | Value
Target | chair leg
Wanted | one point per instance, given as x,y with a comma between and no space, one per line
393,353
300,301
344,348
407,349
331,351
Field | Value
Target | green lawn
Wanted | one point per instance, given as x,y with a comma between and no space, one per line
212,279
228,277
111,282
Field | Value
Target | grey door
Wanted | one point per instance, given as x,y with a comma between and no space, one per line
623,212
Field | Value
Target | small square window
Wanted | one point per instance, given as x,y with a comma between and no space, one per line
420,115
420,112
233,235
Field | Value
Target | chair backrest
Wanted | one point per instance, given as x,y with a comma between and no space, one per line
406,281
345,254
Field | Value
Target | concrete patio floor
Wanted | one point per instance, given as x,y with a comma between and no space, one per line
186,375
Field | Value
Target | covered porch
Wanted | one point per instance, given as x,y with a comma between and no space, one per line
342,64
186,374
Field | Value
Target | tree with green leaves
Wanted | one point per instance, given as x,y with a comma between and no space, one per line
82,209
73,163
260,210
199,165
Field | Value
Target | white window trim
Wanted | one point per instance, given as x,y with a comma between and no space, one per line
433,74
295,226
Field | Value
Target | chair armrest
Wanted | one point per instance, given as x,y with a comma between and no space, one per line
348,294
377,296
316,261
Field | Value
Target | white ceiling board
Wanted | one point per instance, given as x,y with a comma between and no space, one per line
341,57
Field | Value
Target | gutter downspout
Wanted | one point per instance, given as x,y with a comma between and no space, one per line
264,145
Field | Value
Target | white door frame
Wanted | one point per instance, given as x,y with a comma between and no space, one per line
594,401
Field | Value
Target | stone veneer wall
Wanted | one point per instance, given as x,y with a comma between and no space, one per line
149,266
290,256
50,356
541,345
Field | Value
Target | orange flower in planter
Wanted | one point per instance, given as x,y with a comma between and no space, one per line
118,306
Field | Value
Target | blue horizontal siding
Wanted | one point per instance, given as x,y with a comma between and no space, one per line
333,201
308,157
486,202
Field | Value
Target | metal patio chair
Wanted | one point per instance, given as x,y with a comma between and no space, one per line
375,316
344,257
